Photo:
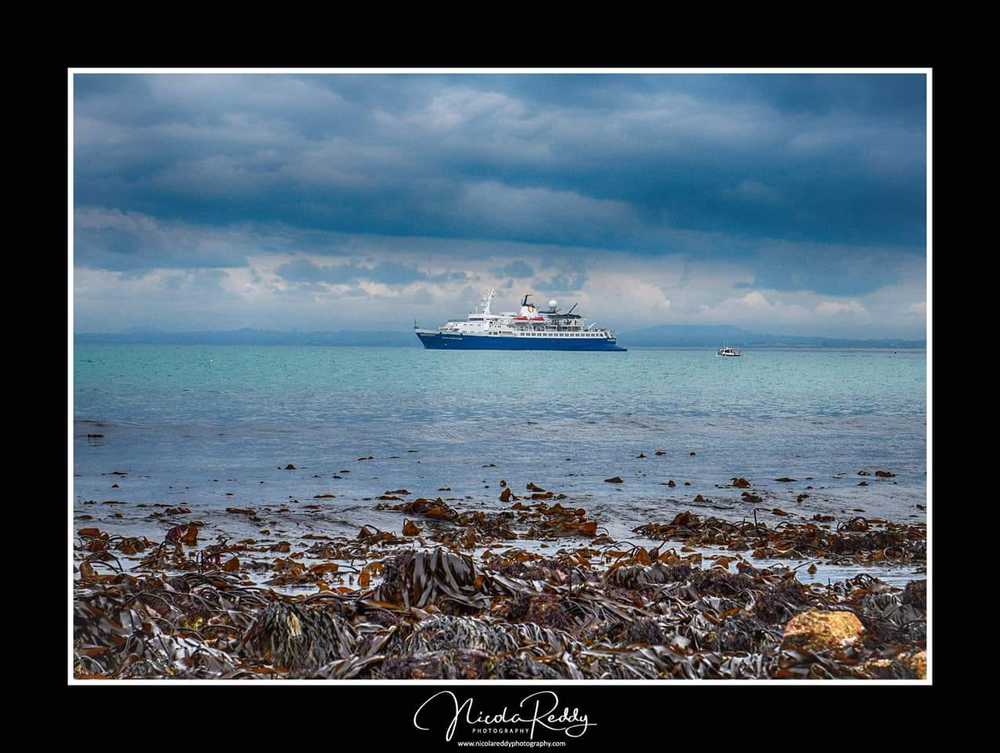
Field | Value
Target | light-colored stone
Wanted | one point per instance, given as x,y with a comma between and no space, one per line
916,662
817,630
877,668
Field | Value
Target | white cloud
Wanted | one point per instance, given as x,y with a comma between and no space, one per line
621,290
836,308
756,300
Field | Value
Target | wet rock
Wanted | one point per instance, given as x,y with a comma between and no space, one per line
614,480
685,519
429,508
506,495
410,528
785,479
183,534
916,662
884,474
741,483
640,576
915,593
556,521
856,525
880,669
133,545
532,487
817,630
289,467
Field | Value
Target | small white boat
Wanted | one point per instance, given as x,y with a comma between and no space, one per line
725,350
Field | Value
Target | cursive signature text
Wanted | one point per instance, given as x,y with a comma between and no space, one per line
538,710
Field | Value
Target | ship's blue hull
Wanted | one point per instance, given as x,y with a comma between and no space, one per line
438,341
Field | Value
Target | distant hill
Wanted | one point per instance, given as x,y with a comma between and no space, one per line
665,335
698,335
401,338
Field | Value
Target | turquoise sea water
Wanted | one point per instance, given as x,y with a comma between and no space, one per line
197,423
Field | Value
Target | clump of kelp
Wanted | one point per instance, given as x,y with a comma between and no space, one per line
418,606
856,541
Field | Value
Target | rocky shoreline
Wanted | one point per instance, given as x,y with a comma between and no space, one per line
536,590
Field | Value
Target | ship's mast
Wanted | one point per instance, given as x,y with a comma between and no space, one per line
488,300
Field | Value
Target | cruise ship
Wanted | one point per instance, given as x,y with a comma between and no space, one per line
531,328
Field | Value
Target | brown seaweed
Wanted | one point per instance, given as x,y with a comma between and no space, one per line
417,606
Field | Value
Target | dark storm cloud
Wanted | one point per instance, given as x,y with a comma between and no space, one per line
708,166
839,271
387,272
128,242
517,268
564,283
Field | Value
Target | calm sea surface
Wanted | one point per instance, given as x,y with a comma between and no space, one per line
216,425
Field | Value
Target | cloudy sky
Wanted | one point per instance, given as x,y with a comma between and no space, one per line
783,203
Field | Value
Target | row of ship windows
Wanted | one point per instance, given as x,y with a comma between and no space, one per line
553,334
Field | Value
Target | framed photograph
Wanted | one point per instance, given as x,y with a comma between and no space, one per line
496,387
